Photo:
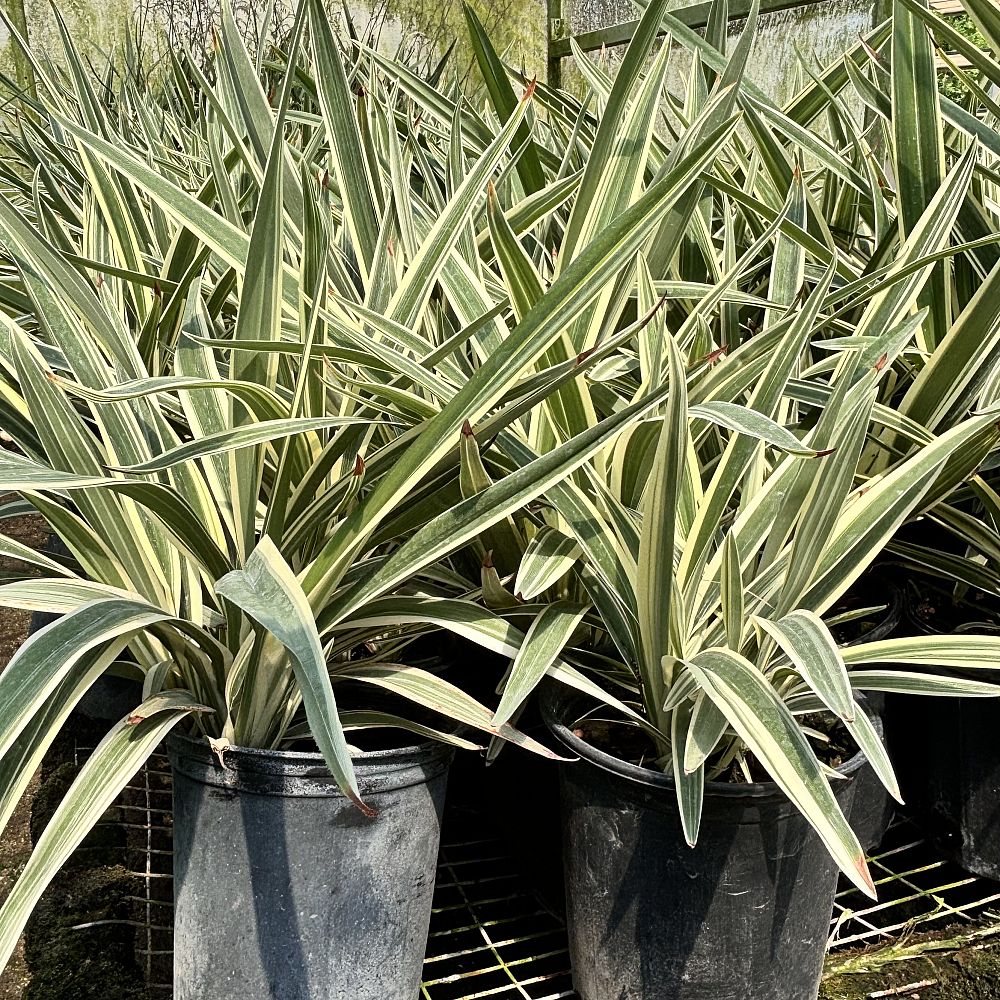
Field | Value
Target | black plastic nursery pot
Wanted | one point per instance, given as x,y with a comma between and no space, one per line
872,807
744,914
945,753
284,890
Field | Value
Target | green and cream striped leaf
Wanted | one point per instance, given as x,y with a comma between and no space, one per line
548,557
268,591
810,646
543,644
765,724
104,774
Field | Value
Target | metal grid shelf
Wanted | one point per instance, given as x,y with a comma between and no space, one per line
918,891
490,935
493,936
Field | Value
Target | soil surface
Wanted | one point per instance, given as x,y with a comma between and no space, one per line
15,841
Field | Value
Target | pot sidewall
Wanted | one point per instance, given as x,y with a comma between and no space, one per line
284,889
745,913
949,771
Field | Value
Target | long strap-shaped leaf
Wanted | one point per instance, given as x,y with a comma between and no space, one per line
961,650
21,761
618,157
407,304
439,695
946,384
655,598
46,657
769,729
918,146
239,437
567,297
689,785
542,646
454,527
340,119
987,19
869,522
807,642
483,627
113,763
267,590
529,166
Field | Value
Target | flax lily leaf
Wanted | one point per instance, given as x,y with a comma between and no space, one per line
543,644
769,729
269,592
106,772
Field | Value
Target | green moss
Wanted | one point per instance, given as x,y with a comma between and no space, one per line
971,973
94,896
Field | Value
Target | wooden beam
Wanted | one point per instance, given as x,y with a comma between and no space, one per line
947,7
694,17
554,31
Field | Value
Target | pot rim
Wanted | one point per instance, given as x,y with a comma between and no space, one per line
895,609
554,708
199,744
915,591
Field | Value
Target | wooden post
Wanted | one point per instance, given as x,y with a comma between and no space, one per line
556,30
22,66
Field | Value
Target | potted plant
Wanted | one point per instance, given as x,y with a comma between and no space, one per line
171,358
684,571
949,557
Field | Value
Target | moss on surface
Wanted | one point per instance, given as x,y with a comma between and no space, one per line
83,914
971,973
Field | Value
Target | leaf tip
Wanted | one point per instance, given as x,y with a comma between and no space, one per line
866,884
369,812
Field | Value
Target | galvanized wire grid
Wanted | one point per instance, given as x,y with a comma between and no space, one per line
492,936
145,812
918,891
148,806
